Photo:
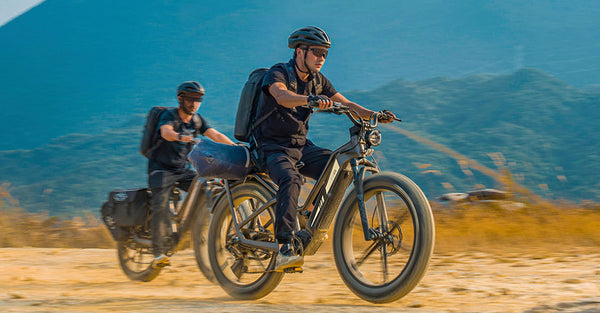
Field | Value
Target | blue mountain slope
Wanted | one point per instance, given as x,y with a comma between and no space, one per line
546,131
85,66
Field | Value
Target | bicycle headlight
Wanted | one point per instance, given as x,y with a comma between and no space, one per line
373,137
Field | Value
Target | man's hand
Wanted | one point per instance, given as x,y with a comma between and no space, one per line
185,138
321,101
386,116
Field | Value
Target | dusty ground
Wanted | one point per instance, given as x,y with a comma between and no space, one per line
90,280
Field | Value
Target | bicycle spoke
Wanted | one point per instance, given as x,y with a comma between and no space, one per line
379,262
237,265
268,223
381,209
405,215
368,252
384,262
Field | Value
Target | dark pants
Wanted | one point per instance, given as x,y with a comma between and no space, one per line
281,166
162,183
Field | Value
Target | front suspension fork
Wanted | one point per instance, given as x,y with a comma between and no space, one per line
359,175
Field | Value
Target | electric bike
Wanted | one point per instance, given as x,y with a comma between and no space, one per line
128,217
383,236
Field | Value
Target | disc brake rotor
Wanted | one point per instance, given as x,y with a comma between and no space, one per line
393,238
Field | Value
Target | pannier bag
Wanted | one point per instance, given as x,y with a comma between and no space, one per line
125,208
218,160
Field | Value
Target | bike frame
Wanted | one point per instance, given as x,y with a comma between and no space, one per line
346,165
186,215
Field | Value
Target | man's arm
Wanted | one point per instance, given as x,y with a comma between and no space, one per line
169,134
285,97
289,99
216,136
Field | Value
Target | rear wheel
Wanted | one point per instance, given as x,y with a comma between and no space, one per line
244,272
393,261
136,261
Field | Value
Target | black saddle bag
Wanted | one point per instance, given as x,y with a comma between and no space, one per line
125,208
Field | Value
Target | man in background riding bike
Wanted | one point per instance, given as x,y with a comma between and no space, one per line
168,165
281,138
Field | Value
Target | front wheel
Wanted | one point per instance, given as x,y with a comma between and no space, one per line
401,237
200,241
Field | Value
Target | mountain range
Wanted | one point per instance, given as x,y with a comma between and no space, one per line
72,66
540,129
513,85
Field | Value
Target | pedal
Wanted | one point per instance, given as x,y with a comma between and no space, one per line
293,270
160,263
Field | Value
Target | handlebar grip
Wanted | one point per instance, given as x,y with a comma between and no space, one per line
394,118
336,105
387,114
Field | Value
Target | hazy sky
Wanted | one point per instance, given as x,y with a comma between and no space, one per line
9,9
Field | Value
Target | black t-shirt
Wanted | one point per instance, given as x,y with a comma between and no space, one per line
287,127
172,155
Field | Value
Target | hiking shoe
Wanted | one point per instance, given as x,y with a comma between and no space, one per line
161,261
287,258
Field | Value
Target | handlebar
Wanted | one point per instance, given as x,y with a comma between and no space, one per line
338,108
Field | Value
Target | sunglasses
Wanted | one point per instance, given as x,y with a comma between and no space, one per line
193,99
319,52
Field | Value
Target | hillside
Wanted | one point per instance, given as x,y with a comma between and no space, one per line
71,66
545,131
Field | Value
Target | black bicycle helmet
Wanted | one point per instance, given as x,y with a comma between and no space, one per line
190,86
310,36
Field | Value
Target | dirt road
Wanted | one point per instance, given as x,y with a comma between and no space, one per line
90,280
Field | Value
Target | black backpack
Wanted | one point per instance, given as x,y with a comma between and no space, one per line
151,136
245,119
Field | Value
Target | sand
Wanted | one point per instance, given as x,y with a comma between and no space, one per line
90,280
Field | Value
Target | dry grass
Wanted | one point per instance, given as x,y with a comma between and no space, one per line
507,227
465,227
19,228
468,226
22,229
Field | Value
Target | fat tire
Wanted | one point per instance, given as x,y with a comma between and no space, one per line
269,280
421,252
200,243
144,274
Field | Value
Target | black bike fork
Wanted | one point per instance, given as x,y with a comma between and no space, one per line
359,175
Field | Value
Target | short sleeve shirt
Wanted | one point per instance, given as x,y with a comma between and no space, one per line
288,126
172,155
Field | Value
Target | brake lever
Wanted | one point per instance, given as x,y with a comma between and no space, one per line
388,116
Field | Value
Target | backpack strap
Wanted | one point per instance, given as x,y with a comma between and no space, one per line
177,120
292,85
316,84
197,123
195,119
